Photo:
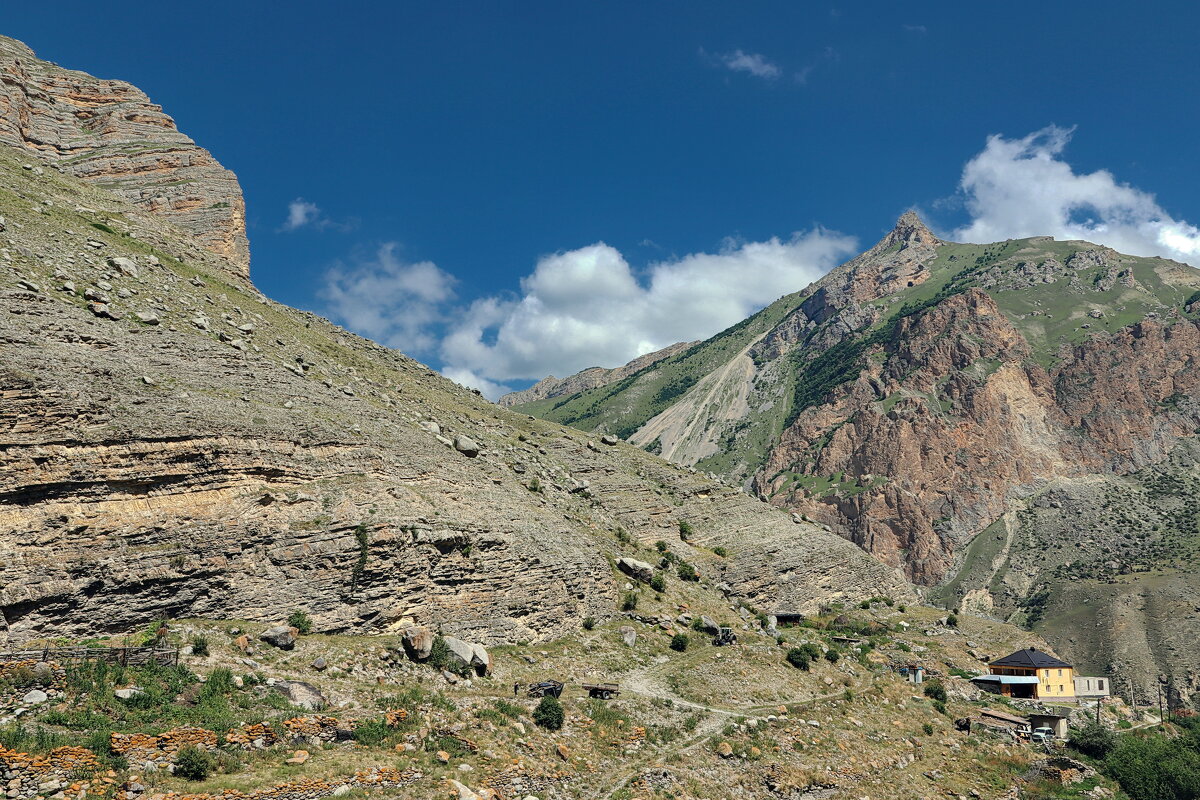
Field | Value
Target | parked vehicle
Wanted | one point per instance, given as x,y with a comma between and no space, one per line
1042,735
602,691
725,636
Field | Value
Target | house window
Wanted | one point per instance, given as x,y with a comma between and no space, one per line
1060,673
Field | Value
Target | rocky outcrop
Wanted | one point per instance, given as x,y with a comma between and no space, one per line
109,133
589,378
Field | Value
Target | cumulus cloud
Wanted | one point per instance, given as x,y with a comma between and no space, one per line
389,300
303,214
1016,188
588,307
753,63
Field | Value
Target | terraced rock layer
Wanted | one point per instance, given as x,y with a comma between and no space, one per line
109,133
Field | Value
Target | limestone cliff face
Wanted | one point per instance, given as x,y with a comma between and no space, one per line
550,386
172,442
110,134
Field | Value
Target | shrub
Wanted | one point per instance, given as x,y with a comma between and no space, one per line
939,706
1093,740
687,572
199,645
659,582
549,713
680,642
935,690
952,620
660,546
589,623
508,709
798,658
686,530
832,655
629,601
622,535
193,764
928,729
865,604
721,551
371,732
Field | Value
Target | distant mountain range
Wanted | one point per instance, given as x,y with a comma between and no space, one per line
1013,424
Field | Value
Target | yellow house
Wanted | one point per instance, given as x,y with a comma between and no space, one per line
1030,673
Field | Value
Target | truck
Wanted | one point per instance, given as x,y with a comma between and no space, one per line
724,636
602,691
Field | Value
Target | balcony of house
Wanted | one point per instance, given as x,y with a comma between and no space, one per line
1019,686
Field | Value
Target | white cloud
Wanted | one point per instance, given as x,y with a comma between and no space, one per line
1016,188
301,213
586,307
391,301
753,63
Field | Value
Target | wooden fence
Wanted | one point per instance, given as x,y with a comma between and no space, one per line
125,656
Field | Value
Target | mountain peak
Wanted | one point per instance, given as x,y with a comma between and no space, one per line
909,230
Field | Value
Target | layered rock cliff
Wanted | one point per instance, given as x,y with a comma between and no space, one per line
172,442
110,134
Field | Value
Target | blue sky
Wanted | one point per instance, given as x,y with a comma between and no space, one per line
506,189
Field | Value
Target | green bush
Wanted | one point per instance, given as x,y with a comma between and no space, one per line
199,645
687,572
589,623
928,729
193,764
1093,740
680,642
660,546
935,690
659,582
549,713
832,655
686,531
629,601
371,732
952,620
798,658
721,551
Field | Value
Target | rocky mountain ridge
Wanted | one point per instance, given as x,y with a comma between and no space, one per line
109,133
925,389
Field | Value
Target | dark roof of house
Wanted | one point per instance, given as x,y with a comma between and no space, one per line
1030,658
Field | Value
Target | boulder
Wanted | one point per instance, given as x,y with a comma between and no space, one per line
466,445
320,664
125,266
459,651
34,696
609,439
480,660
299,757
638,570
628,635
302,694
725,750
708,625
418,642
464,792
280,636
128,694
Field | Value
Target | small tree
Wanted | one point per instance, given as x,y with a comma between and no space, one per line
659,582
798,658
300,621
952,621
193,764
629,601
832,655
687,572
680,642
549,713
660,546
